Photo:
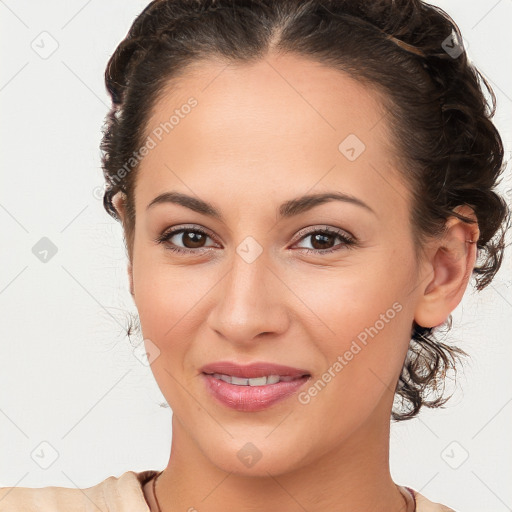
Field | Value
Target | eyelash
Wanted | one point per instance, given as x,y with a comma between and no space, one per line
348,241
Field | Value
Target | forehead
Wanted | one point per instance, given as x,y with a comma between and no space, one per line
281,123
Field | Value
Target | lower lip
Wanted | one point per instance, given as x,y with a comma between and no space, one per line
251,398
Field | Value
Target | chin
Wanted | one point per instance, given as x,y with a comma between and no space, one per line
257,458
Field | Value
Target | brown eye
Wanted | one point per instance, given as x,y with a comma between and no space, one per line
184,240
322,241
192,239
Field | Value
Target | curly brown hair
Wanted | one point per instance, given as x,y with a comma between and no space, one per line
410,52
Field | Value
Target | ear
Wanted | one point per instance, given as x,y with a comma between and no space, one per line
119,202
451,260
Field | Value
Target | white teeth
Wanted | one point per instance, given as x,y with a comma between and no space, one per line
239,382
257,381
225,378
260,381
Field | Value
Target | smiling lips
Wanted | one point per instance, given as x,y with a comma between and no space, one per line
253,370
252,387
256,381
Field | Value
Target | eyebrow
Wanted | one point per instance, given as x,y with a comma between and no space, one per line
287,209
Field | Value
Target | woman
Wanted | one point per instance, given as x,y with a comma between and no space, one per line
306,189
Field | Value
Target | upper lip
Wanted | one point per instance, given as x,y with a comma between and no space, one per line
253,370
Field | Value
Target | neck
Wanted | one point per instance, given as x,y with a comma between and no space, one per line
352,476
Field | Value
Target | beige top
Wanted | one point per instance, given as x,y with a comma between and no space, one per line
115,494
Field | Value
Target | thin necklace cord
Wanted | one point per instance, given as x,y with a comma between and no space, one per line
154,492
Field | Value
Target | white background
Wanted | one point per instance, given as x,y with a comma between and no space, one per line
68,375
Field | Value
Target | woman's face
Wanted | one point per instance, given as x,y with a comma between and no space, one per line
267,283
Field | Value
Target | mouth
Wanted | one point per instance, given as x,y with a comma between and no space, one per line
256,381
253,370
253,387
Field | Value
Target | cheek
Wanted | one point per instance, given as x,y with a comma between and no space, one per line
362,361
167,302
360,323
163,292
343,302
172,304
169,307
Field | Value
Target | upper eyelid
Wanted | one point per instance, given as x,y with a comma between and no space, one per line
331,230
180,229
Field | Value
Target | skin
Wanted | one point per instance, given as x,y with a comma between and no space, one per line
260,135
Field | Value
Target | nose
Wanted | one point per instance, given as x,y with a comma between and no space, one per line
249,302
